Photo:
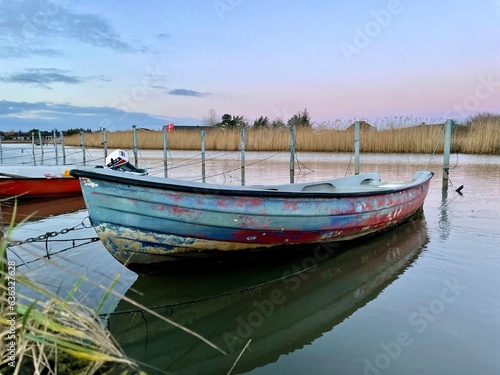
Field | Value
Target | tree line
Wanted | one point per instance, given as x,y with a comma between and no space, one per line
45,133
301,119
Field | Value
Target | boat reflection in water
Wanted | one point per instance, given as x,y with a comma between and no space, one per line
40,208
280,305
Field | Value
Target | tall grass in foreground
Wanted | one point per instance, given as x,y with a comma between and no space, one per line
479,135
55,335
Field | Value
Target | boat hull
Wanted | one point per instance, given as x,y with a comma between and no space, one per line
144,223
39,187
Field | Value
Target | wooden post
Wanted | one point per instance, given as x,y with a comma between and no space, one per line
165,151
61,135
105,143
134,130
82,142
447,147
203,156
33,147
356,147
41,143
292,154
54,135
242,157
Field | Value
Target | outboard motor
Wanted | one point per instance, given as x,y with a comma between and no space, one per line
119,160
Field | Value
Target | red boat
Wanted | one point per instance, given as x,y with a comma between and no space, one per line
37,181
40,181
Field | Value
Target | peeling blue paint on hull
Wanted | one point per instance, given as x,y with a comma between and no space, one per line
137,246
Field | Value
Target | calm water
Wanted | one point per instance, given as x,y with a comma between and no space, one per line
421,299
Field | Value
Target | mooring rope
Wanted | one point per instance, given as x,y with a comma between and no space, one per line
435,148
238,167
299,163
349,165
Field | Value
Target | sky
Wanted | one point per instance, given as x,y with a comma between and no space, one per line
112,64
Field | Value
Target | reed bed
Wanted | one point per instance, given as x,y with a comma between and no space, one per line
479,135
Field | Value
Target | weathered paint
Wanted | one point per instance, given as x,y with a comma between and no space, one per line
144,224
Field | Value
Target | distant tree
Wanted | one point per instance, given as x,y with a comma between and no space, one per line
232,122
300,120
239,122
306,118
226,120
261,122
74,131
71,132
211,119
278,123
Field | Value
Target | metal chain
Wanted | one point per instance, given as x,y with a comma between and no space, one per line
48,255
45,237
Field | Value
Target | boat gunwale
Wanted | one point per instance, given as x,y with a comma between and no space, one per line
169,184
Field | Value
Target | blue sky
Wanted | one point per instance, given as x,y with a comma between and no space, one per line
92,64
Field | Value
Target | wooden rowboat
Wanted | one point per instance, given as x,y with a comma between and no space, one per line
146,220
37,181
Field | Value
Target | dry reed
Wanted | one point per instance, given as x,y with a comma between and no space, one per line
53,335
479,135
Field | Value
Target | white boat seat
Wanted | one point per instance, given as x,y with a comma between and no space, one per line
321,187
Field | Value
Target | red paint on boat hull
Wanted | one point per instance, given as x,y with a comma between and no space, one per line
39,187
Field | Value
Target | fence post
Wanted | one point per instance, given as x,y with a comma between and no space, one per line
447,148
242,157
203,156
165,151
292,154
105,143
82,141
61,135
33,147
54,135
134,129
356,147
41,143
